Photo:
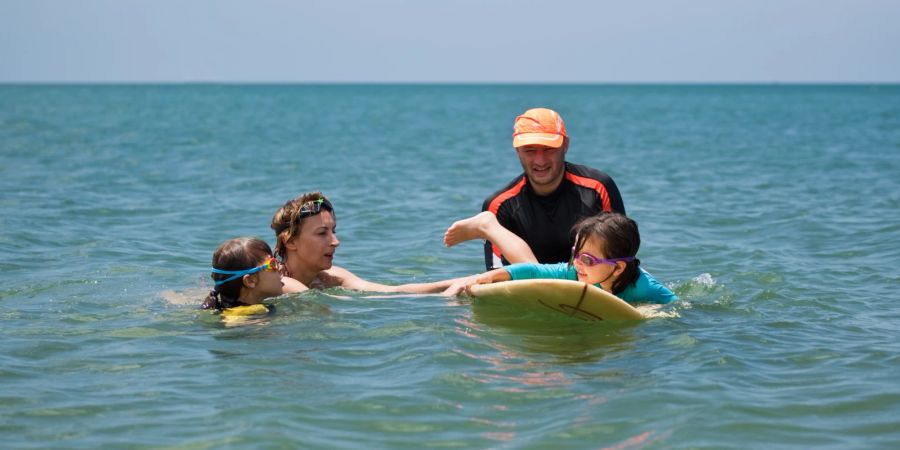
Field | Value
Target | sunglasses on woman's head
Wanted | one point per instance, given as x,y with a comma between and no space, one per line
313,207
271,265
590,260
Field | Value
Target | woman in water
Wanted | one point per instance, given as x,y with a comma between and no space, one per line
245,273
605,255
306,241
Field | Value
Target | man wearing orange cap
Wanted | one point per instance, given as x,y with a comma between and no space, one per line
543,203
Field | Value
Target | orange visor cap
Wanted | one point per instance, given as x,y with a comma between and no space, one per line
539,126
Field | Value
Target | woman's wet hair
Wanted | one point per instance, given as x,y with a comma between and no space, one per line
234,254
287,220
619,237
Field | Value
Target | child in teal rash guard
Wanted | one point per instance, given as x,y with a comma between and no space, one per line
604,255
644,290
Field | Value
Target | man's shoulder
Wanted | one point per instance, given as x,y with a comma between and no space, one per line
586,172
511,189
589,180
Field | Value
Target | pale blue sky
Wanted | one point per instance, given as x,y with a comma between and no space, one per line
450,41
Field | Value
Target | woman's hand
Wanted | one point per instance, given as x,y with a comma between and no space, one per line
463,285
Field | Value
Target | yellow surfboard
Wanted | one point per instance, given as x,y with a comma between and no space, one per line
572,298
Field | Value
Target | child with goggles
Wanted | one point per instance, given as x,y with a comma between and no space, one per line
604,254
245,273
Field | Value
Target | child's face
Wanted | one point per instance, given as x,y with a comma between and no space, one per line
596,273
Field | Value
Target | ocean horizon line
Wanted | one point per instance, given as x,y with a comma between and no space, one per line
449,83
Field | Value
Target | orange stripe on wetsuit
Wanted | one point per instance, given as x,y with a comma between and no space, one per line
591,184
498,200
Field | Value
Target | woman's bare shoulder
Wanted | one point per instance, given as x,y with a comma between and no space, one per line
335,276
290,285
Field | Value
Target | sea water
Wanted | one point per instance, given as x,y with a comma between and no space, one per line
772,211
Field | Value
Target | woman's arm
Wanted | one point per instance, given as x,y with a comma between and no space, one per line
338,276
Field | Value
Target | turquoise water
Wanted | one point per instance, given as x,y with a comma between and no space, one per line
772,211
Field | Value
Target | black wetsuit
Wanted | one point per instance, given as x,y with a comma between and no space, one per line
545,222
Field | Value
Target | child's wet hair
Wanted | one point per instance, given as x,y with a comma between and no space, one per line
234,254
619,237
286,222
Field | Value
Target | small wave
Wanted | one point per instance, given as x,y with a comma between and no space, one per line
705,279
703,289
656,312
190,296
32,290
699,286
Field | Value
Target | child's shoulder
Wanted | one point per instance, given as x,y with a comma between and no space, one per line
648,289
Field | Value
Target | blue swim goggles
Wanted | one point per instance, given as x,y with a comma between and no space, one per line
271,265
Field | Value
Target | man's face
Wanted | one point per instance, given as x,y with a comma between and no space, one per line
544,166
